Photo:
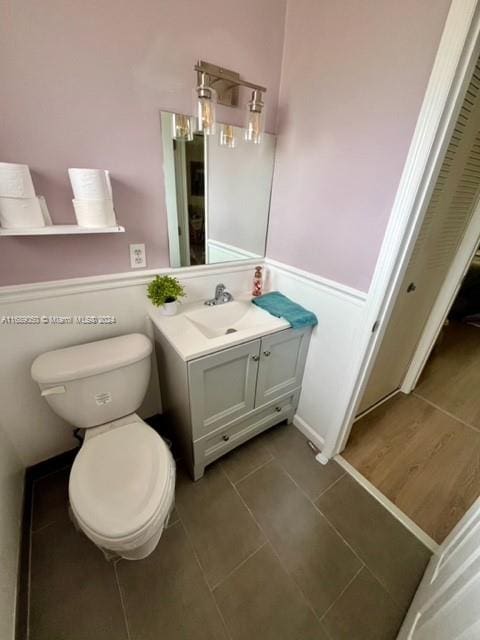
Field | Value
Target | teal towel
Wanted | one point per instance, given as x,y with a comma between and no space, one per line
282,307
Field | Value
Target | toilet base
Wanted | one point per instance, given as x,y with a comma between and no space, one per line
147,547
138,553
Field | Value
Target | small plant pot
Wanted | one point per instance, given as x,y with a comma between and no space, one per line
169,308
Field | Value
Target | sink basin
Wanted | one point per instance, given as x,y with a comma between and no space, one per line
220,320
199,330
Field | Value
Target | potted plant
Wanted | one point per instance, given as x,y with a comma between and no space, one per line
164,292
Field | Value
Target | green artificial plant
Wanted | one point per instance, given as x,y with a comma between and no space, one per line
164,289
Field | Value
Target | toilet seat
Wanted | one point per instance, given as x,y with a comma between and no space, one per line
121,486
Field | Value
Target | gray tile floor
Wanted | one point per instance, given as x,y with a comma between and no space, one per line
268,545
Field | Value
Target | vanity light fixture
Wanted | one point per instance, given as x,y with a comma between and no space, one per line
219,83
182,127
227,136
205,108
255,118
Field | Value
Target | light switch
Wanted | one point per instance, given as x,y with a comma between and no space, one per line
138,258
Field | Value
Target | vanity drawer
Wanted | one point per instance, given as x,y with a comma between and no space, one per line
211,447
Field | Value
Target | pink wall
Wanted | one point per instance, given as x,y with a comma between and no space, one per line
353,79
82,84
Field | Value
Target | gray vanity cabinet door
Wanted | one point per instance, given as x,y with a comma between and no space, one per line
282,360
222,387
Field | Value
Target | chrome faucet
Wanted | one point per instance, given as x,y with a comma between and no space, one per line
221,296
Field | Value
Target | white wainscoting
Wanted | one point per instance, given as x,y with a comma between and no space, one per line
11,498
223,252
38,434
35,431
333,354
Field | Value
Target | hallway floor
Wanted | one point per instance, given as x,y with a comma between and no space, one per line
268,545
422,450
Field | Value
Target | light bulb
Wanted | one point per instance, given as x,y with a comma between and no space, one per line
227,136
206,100
255,117
206,116
182,127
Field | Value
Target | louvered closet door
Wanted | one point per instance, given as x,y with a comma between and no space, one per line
451,207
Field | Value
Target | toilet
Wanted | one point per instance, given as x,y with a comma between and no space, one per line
122,482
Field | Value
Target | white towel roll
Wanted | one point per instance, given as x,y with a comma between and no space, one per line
19,213
94,213
15,181
90,184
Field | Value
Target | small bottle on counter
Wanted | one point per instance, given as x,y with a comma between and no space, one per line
257,282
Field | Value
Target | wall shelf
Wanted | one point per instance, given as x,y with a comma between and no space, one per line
60,230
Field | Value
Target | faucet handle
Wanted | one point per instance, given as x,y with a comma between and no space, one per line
219,289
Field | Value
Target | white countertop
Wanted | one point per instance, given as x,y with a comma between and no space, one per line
187,330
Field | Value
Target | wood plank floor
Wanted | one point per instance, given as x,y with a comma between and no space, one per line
451,379
425,460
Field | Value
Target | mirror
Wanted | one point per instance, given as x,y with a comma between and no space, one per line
217,197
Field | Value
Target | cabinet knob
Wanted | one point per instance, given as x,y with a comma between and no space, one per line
255,358
266,353
278,409
225,437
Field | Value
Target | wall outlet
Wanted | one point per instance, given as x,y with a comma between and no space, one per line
138,257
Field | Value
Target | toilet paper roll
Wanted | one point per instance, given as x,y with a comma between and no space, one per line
90,184
16,181
18,213
94,213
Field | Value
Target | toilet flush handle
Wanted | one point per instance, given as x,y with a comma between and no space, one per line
53,390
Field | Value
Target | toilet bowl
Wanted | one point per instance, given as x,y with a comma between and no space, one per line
121,487
122,482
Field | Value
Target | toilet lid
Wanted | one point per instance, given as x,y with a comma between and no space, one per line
119,479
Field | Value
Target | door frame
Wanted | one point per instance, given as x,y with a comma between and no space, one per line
456,57
181,190
170,189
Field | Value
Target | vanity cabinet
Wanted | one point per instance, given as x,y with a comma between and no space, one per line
222,387
220,400
281,364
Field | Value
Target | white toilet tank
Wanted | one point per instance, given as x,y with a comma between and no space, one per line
94,383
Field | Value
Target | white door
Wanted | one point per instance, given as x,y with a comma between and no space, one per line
449,212
447,603
170,190
182,200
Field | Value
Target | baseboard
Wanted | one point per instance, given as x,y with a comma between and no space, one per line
308,432
361,415
22,604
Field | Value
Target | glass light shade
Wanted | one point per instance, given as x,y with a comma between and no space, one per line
182,127
255,119
205,108
227,136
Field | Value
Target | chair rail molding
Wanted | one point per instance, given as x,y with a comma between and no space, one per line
337,288
222,252
73,286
